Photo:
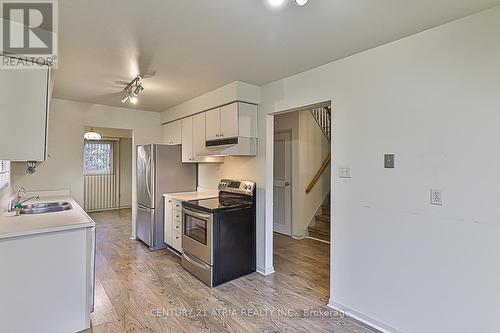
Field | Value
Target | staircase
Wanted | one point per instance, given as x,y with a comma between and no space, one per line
320,228
323,117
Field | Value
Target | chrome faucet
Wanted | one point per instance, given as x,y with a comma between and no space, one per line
21,192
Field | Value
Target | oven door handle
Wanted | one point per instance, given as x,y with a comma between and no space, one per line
198,215
195,263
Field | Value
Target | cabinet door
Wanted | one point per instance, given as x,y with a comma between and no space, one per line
199,135
212,124
168,226
24,114
176,132
229,121
187,140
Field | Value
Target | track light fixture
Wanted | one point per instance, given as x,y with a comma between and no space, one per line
279,3
132,90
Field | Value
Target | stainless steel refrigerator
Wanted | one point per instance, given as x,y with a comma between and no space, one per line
159,170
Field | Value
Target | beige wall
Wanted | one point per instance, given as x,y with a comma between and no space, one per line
64,167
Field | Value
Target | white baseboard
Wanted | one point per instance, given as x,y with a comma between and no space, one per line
317,239
362,318
265,271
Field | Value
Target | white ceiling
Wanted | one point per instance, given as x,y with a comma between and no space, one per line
195,46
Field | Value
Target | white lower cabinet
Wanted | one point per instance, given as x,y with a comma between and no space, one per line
47,281
173,223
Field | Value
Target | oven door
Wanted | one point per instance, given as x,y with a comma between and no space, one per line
197,234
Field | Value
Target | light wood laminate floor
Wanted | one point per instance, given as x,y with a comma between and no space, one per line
142,291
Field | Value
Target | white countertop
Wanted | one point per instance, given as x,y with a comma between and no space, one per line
187,196
23,225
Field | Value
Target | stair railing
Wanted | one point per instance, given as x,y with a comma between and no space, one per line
323,117
318,174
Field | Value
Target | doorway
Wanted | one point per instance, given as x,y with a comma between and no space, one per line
301,196
107,170
282,213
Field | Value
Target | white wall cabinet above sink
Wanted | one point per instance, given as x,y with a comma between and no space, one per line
24,112
232,120
193,141
171,133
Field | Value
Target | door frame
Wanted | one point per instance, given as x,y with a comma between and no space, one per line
267,267
292,173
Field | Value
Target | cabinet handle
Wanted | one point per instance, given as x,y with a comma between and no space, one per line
176,237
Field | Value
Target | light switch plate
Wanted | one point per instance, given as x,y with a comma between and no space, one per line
389,161
437,197
344,172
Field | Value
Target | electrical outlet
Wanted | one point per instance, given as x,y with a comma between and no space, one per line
437,197
344,172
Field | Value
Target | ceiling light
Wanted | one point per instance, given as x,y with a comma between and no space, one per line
92,135
301,2
132,90
138,89
276,3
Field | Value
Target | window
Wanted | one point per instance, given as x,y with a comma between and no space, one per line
98,158
4,175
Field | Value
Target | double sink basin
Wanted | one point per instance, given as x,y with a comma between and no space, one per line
45,207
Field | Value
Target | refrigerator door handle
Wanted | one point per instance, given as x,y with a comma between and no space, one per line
148,171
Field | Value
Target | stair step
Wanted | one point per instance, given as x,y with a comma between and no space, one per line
325,218
322,228
322,236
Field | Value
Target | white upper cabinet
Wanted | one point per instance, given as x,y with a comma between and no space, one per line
24,108
199,121
187,140
232,120
193,141
212,124
229,121
171,133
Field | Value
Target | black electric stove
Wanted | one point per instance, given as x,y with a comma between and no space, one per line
218,235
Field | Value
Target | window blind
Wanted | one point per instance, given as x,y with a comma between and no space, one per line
98,158
4,175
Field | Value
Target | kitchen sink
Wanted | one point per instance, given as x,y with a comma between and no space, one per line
45,207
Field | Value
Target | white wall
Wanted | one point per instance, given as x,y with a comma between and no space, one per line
126,149
309,149
433,100
64,167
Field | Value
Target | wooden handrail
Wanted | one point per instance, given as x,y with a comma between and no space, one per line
319,173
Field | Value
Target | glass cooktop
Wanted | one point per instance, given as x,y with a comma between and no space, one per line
215,204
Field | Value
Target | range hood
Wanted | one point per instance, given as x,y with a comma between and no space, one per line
238,146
